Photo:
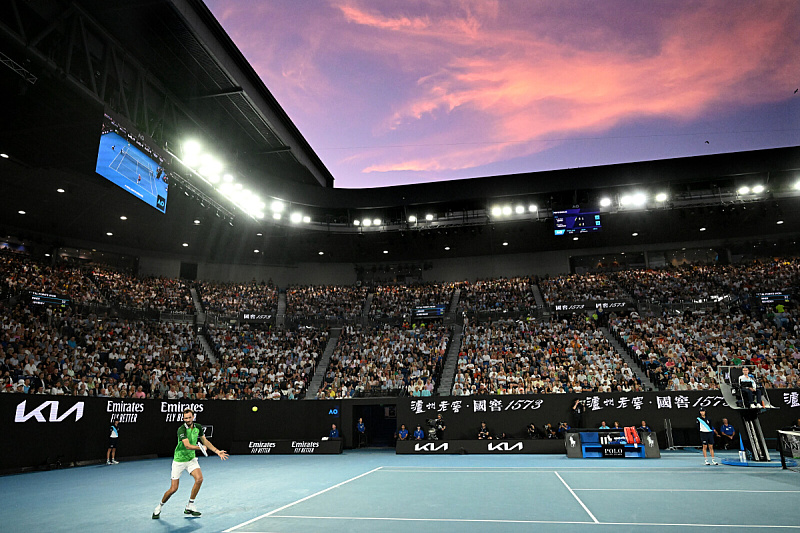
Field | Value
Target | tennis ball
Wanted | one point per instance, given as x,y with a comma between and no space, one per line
255,408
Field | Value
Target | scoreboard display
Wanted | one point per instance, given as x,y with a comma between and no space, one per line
774,297
575,221
48,299
429,311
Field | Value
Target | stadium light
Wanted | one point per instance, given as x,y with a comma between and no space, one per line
661,197
519,209
797,186
386,251
4,156
506,210
356,222
532,208
605,202
376,222
277,206
123,217
429,217
276,216
743,190
255,251
497,211
412,219
779,222
227,178
366,222
306,219
447,248
505,244
758,189
296,217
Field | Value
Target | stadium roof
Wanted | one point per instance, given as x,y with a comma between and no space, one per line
169,68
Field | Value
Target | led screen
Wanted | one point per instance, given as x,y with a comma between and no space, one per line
125,159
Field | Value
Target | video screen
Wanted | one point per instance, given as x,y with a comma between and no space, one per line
570,221
125,159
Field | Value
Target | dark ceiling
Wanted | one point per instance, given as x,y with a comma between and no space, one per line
51,129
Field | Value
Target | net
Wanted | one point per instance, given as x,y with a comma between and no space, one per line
134,164
789,448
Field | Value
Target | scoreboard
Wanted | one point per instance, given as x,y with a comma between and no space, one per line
570,221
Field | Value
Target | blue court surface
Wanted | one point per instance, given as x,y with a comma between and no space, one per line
131,169
376,490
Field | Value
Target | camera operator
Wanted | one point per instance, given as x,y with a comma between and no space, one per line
440,427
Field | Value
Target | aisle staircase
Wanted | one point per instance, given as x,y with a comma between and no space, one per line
322,365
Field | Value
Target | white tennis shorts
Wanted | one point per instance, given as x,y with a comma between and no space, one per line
178,468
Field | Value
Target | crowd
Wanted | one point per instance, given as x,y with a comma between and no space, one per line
512,295
398,301
683,351
325,301
272,363
54,352
385,360
534,357
233,298
579,287
709,283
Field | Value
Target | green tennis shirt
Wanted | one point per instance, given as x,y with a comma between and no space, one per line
193,434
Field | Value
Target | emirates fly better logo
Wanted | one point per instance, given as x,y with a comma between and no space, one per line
38,412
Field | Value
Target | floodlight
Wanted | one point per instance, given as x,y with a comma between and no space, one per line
519,209
367,222
758,189
743,190
497,211
506,210
661,197
277,206
429,217
532,208
296,217
412,219
605,202
376,222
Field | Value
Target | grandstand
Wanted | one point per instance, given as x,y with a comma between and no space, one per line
302,306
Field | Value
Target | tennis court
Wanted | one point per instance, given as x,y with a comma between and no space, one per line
376,490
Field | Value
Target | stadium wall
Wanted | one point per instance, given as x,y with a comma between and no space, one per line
39,430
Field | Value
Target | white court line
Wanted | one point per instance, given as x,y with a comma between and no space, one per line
384,518
577,470
694,490
576,497
300,500
499,521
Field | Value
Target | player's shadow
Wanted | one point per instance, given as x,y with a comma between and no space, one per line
191,523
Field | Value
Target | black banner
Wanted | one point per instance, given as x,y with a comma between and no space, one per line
590,305
255,318
44,430
489,446
511,414
287,447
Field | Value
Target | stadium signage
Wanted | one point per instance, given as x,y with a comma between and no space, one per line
38,414
255,317
124,411
590,305
304,446
174,411
431,447
261,447
504,447
613,451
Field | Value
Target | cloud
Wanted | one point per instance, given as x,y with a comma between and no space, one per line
524,88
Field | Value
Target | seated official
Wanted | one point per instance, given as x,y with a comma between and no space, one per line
334,433
403,433
483,432
750,390
727,434
644,427
419,434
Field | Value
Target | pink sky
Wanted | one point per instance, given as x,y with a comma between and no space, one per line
390,93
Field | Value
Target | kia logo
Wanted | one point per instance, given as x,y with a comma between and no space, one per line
503,446
53,405
431,447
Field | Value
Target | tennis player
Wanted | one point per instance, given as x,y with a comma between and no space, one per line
190,438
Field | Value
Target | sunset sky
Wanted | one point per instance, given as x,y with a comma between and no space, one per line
390,93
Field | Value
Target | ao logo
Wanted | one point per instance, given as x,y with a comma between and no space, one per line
334,411
431,447
503,446
39,416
